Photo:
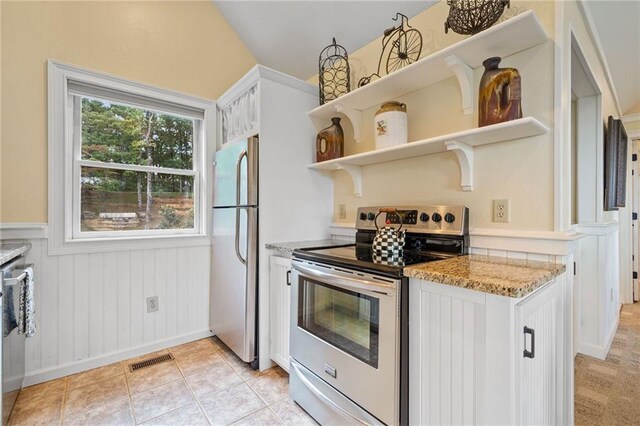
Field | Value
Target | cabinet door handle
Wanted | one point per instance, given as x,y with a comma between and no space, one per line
288,277
532,352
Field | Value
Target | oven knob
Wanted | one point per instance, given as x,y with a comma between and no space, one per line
436,217
424,217
371,216
363,216
449,218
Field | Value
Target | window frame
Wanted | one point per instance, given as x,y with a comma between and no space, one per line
65,164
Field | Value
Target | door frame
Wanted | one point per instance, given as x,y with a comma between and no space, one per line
634,138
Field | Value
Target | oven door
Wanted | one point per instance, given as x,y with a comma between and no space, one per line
345,330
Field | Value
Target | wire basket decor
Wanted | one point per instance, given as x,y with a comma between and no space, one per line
333,72
473,16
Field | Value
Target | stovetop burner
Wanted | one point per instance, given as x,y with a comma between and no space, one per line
432,233
364,258
366,254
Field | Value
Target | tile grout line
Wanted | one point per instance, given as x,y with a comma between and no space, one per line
276,414
65,396
129,395
230,366
195,398
159,415
68,390
202,411
244,381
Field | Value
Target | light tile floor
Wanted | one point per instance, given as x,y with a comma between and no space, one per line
205,384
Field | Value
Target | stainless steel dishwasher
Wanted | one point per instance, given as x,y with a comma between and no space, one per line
13,344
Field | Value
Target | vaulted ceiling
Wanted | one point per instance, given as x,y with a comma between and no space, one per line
617,25
288,35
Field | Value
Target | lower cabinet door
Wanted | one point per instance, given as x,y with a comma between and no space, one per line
279,303
539,358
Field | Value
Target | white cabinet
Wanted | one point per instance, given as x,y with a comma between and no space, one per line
467,362
538,358
279,301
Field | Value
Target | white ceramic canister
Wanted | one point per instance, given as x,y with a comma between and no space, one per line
390,125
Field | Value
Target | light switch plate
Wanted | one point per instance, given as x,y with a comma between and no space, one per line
501,211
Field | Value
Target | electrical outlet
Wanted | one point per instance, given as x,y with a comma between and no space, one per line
501,211
342,211
152,304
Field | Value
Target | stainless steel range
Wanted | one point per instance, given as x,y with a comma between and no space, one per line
349,310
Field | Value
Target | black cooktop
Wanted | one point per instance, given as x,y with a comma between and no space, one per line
362,257
418,248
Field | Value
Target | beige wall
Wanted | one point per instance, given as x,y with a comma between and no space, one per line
184,46
521,171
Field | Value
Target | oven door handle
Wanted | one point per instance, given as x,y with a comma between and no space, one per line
358,285
323,397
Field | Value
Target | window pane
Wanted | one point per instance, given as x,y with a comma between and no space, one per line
116,133
117,200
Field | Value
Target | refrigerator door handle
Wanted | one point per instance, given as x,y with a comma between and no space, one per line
240,258
243,154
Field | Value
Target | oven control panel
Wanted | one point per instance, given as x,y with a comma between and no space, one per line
452,220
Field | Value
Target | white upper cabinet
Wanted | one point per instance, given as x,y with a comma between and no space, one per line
240,116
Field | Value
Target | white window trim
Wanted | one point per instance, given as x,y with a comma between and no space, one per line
61,168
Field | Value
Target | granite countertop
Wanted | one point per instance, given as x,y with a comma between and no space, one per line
8,252
489,274
289,247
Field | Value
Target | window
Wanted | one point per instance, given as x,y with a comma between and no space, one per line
129,157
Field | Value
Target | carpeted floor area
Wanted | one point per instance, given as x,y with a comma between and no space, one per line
608,392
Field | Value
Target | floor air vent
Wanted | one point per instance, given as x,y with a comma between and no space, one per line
149,362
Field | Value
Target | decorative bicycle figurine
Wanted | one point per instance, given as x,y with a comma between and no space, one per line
401,46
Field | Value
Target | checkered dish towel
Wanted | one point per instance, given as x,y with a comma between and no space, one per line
27,309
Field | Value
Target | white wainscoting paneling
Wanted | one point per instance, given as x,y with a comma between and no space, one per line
600,290
91,308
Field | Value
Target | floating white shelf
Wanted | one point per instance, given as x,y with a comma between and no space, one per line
507,38
461,143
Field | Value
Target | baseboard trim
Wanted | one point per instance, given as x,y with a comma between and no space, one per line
592,350
46,374
11,383
611,335
598,351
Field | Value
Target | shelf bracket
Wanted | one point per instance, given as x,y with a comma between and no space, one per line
355,117
356,175
464,153
464,73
